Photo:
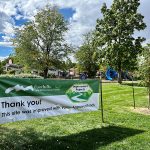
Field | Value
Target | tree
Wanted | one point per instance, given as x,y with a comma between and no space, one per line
115,35
40,44
1,68
145,68
86,56
69,64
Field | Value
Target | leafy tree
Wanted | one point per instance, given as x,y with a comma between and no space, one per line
69,64
1,68
40,44
114,35
145,68
86,56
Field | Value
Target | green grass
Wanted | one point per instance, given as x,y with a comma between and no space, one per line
122,130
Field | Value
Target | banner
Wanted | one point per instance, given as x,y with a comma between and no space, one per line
22,99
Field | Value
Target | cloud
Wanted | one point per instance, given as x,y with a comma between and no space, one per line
8,7
146,42
82,21
3,58
6,23
6,44
6,38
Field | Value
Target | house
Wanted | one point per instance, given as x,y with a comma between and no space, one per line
13,67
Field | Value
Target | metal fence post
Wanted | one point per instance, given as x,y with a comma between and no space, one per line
133,93
101,100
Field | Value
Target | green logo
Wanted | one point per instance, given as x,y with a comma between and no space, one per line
79,93
19,88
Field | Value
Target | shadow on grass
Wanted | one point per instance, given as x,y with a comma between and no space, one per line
87,140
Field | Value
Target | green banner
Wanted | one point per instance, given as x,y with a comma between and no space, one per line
22,99
10,87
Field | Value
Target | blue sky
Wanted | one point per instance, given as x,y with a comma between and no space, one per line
81,14
7,50
67,12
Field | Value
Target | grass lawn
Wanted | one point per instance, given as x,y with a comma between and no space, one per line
122,130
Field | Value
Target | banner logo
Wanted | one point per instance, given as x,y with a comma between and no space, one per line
79,93
35,88
19,88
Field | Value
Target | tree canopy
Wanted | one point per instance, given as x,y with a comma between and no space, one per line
40,44
86,56
115,34
145,68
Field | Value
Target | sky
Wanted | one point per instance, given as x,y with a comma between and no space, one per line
81,15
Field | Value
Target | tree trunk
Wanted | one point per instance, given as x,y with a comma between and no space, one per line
119,71
119,76
45,72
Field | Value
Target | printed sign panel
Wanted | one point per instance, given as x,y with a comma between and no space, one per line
22,99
